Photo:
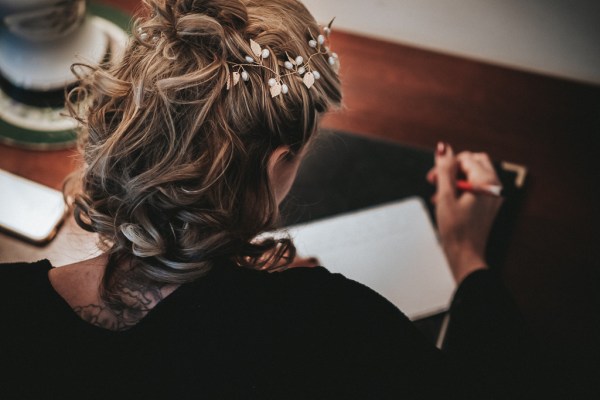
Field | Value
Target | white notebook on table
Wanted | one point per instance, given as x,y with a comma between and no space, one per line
392,248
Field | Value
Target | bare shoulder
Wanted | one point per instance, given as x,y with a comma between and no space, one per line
79,279
79,285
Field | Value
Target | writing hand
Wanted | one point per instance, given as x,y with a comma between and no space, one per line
464,218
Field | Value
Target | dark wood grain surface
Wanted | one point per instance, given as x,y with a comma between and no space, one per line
418,97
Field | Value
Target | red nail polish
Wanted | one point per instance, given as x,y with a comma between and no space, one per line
441,148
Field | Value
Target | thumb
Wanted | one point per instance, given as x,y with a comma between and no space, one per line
445,165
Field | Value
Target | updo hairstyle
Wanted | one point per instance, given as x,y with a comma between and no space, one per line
175,164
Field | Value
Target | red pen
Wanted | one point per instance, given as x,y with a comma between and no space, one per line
492,190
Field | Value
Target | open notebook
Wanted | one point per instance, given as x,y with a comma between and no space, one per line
392,248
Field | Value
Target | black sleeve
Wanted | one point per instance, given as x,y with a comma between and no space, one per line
378,353
487,336
375,351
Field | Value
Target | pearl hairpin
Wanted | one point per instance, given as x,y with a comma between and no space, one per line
294,65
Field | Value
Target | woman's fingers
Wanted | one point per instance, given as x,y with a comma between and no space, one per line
445,165
432,176
477,167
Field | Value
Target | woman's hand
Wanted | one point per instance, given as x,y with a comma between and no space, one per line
464,219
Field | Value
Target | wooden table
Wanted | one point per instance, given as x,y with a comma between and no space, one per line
418,97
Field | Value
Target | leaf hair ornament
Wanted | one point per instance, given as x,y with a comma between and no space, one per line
293,66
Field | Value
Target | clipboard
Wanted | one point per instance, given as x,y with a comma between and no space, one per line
391,248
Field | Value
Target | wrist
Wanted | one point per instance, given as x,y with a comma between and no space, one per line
463,262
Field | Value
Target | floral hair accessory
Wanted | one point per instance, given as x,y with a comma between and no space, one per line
292,67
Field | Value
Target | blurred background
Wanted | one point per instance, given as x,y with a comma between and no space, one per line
554,37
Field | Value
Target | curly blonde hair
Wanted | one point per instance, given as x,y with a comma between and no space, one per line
175,165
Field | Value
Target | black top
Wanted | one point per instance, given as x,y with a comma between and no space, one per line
237,333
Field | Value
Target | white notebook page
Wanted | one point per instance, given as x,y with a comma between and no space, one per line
393,249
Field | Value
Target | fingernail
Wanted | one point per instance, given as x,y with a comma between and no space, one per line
441,148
